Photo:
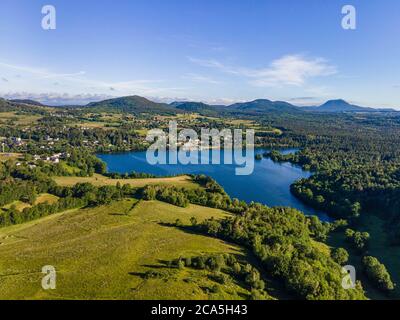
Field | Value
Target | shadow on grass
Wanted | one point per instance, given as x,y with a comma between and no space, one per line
188,229
156,266
275,287
163,265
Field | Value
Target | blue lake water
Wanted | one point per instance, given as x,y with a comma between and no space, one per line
268,184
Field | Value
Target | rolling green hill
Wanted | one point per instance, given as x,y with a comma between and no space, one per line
27,101
201,108
256,107
133,104
106,253
262,106
5,106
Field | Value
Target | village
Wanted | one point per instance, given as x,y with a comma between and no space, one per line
47,156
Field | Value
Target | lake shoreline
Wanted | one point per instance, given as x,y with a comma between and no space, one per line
269,184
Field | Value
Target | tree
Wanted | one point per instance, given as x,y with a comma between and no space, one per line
193,221
320,200
258,295
181,264
349,233
358,239
340,255
355,210
237,268
149,193
378,273
319,229
339,224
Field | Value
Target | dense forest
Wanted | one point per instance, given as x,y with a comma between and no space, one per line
356,165
283,241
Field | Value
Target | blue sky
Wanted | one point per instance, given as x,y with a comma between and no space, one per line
217,51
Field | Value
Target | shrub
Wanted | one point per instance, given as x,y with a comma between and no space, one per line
378,274
340,255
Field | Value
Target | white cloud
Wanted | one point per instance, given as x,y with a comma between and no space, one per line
200,78
222,101
34,79
211,101
55,99
43,73
292,70
211,63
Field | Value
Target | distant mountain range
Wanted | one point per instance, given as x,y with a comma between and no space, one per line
139,105
27,101
343,106
263,106
18,105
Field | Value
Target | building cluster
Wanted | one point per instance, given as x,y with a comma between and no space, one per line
55,158
189,144
16,141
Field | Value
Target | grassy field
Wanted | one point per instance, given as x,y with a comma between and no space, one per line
103,252
9,156
275,131
19,205
42,198
19,119
142,132
96,125
45,197
99,180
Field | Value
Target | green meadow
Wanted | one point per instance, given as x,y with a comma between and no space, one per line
104,253
100,180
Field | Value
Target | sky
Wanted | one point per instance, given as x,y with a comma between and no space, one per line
215,51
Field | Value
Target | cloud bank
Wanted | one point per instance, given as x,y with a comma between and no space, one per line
57,99
294,70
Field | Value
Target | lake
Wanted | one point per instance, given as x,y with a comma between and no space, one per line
269,184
